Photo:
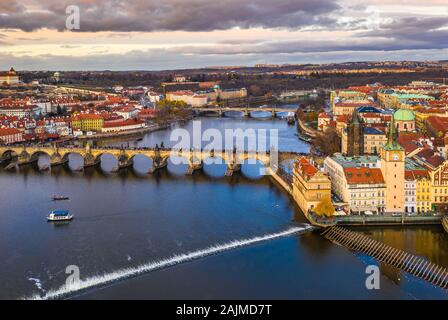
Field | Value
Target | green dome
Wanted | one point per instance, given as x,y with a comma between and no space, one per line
404,115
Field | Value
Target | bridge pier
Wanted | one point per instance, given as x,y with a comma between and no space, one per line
24,158
57,160
192,167
231,168
125,163
157,164
91,161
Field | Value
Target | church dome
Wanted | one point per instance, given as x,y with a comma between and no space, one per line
404,115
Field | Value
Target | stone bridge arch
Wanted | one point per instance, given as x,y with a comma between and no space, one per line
9,152
36,153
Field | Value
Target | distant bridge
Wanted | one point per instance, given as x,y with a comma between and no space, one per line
22,155
245,110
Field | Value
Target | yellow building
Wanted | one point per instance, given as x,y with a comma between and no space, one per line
310,186
423,192
439,194
393,169
87,122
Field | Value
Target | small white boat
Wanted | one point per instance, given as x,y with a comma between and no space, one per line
60,215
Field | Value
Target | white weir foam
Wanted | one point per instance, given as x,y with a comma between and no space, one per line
124,273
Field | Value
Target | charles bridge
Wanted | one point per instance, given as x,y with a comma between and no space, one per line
59,155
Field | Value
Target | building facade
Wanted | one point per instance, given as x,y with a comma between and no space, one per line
364,189
87,122
9,77
439,195
10,135
310,185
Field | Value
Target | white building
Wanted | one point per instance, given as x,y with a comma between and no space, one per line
410,192
154,97
127,112
20,111
45,106
190,98
123,126
365,190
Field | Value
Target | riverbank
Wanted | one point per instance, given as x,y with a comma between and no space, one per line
131,133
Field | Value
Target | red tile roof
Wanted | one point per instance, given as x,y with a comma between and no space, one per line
364,175
9,131
440,124
304,166
129,122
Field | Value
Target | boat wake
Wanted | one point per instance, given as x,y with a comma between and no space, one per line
100,280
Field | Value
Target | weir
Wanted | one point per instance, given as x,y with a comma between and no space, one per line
122,274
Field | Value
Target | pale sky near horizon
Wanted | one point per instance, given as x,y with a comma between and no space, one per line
174,34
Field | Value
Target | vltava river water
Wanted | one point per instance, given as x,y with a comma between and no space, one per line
127,222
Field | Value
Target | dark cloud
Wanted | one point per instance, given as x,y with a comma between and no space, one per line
306,46
414,32
188,15
400,34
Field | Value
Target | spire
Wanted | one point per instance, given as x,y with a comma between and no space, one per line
391,139
392,143
355,117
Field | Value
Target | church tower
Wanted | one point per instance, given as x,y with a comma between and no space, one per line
393,168
355,137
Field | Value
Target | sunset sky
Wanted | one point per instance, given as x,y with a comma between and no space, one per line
172,34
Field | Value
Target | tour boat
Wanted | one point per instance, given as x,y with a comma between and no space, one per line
60,215
58,198
305,138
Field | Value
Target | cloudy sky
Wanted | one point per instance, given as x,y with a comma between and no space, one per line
173,34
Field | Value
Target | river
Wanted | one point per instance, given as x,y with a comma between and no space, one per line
131,227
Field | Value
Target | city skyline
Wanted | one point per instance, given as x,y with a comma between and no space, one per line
196,33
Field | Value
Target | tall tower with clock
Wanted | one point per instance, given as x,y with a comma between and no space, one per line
393,168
